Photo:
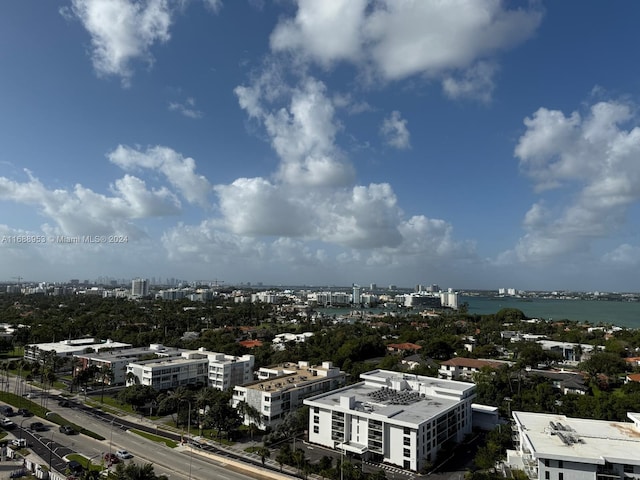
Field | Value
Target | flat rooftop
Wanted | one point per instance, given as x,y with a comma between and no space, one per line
299,376
70,346
131,353
582,440
419,398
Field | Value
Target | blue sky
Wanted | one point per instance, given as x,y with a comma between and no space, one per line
473,144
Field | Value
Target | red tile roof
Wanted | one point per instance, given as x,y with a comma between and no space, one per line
471,363
404,346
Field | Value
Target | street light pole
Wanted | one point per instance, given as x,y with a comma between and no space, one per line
189,436
50,452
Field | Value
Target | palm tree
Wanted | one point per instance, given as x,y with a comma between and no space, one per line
106,375
132,379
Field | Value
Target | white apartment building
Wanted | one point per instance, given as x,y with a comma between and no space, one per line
556,447
392,417
281,389
117,360
192,367
227,371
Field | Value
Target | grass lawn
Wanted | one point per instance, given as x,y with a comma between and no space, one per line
96,463
155,438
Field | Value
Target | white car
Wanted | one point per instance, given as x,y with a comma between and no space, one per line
123,454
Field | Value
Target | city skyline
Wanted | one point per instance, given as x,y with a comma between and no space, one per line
475,144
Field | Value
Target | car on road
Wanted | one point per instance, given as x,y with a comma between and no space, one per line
111,459
37,426
67,430
64,403
123,454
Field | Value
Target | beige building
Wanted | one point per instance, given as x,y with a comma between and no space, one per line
281,389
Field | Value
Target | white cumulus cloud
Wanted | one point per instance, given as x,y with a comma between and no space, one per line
395,131
81,211
122,31
395,39
590,160
179,171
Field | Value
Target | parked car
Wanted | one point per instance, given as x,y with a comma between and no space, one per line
111,459
7,411
7,424
25,412
64,403
67,430
19,442
75,467
37,426
123,454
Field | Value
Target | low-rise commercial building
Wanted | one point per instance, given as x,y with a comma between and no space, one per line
556,447
392,417
69,348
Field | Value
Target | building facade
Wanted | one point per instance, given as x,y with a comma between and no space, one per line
67,349
192,367
139,287
281,389
392,417
556,447
118,360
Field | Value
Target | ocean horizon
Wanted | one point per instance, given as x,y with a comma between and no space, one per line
596,312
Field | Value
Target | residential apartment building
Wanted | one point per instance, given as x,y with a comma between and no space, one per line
392,417
462,368
118,360
227,371
139,287
281,389
192,367
556,447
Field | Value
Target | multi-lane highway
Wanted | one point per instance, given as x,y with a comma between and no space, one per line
184,462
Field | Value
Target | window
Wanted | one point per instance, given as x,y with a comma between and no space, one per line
316,419
316,409
407,441
406,452
407,430
546,475
561,476
316,429
628,468
560,464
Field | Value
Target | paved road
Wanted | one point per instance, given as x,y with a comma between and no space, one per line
180,463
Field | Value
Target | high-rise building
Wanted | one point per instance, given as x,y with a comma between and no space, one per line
355,299
139,287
